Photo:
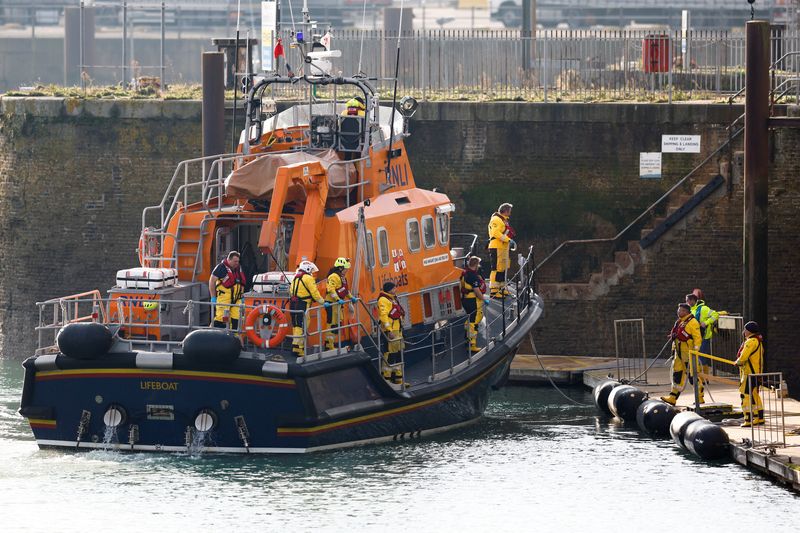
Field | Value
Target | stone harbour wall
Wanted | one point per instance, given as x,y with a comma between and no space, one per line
75,176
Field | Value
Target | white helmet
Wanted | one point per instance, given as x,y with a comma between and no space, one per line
308,267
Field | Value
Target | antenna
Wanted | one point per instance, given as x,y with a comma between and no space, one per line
235,82
394,95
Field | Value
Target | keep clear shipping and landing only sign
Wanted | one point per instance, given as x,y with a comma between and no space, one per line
680,144
650,162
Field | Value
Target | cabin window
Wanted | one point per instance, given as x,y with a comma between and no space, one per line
412,232
370,250
383,246
427,306
428,231
444,228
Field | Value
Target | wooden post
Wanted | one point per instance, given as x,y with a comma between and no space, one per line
756,171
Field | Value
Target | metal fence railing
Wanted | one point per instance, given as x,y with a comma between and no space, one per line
489,64
725,343
629,346
768,393
558,65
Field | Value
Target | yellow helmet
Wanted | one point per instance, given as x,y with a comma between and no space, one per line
150,305
342,262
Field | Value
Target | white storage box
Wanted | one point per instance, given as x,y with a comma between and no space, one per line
146,278
273,282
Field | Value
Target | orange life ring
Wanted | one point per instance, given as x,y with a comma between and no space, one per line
148,247
277,317
352,329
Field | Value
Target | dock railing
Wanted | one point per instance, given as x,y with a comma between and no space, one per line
148,329
766,390
630,353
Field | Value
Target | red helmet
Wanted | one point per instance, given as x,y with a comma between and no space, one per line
698,293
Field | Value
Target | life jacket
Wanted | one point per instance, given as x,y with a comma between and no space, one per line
466,290
232,277
355,108
697,314
342,292
298,276
509,231
679,332
397,312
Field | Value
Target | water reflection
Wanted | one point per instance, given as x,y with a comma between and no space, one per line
535,462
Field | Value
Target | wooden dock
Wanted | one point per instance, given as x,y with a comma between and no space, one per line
777,461
562,369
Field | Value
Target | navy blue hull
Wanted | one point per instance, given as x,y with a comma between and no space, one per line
252,406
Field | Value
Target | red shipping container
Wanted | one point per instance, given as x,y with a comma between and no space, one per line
655,53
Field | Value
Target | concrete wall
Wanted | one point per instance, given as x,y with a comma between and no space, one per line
75,176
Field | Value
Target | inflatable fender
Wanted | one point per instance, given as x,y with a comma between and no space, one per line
84,340
679,424
211,347
624,400
654,418
707,440
601,392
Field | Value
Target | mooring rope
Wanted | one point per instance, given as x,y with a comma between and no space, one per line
546,373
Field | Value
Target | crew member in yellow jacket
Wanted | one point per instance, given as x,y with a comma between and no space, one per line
685,336
303,292
390,314
226,286
501,239
337,293
750,360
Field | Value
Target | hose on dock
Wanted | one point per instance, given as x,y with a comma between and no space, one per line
660,353
546,373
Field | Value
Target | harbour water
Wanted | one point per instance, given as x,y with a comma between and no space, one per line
534,463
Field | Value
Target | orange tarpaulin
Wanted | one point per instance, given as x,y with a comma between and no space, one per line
256,179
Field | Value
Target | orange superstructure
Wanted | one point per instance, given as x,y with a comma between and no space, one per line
299,189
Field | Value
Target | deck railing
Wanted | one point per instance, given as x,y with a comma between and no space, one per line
446,341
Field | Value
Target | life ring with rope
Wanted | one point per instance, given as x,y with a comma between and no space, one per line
273,317
148,247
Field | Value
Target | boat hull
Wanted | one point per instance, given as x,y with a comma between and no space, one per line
252,405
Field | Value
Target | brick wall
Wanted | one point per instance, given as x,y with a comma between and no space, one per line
73,181
784,257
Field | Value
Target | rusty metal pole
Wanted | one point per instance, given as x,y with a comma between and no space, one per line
213,103
756,171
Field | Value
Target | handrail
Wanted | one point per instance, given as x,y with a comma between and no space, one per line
647,210
698,353
771,68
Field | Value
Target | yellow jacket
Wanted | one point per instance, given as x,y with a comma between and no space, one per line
751,356
497,231
333,284
693,329
305,288
707,317
385,305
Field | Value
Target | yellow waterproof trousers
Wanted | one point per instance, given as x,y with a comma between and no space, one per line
751,399
500,260
681,369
